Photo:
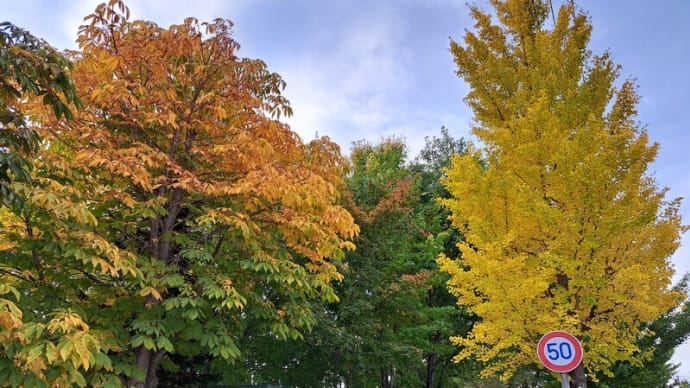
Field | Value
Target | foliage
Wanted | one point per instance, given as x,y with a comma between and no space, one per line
666,333
447,318
29,67
395,315
43,339
365,338
563,227
177,232
385,284
175,209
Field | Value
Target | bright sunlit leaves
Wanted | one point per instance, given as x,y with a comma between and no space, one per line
564,229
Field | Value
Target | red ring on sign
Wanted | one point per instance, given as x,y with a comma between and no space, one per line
576,345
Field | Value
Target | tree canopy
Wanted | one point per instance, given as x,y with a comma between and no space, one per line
173,206
29,67
564,227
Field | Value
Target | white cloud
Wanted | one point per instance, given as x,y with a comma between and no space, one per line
362,83
350,85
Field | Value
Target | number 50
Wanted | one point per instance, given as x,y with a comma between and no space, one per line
562,350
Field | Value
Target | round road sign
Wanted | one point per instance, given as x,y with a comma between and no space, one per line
559,351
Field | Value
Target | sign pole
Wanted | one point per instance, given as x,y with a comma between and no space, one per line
564,380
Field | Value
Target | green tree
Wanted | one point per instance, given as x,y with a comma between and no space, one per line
29,67
563,226
444,317
394,304
383,288
46,237
394,317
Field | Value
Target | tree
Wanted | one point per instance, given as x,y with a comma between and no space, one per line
384,287
196,210
47,235
666,333
29,67
394,317
445,317
395,314
563,226
40,340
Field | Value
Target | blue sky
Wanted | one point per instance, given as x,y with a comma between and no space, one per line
363,69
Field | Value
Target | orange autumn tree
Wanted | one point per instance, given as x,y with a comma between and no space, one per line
563,226
186,168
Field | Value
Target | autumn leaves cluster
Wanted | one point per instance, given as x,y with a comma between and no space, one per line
170,202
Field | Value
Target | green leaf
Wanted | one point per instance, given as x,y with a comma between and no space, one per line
149,343
138,340
165,344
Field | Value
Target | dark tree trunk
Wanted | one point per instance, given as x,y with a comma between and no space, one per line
386,378
431,363
578,379
147,362
161,250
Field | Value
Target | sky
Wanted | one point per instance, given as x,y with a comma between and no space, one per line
367,69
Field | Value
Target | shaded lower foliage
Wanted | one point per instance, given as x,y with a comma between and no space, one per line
194,371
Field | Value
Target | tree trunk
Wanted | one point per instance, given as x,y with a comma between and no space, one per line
386,378
578,379
431,362
147,362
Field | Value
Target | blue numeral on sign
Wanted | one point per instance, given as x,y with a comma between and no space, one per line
557,351
553,353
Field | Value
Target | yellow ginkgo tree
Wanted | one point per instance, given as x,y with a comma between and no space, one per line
564,228
179,206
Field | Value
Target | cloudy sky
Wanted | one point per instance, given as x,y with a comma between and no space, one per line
364,69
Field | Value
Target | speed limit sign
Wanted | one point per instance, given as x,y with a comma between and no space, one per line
559,351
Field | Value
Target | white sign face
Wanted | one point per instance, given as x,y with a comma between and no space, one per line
559,351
